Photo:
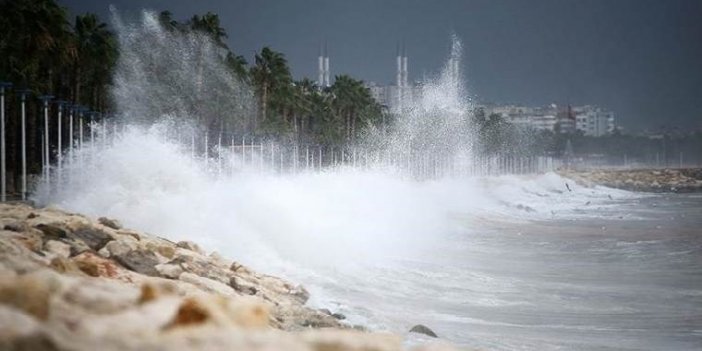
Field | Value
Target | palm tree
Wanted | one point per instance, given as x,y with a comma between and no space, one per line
272,80
96,55
210,25
237,64
35,37
167,21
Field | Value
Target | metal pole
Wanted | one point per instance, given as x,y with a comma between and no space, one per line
70,134
47,162
253,161
92,129
104,131
232,157
243,152
207,152
58,128
80,133
24,147
219,155
3,190
192,145
272,158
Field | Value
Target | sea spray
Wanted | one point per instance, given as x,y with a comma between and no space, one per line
152,177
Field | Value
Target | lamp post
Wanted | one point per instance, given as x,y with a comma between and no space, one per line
71,111
59,105
81,110
91,123
45,99
3,190
23,96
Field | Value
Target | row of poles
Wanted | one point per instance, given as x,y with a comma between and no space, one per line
62,106
250,153
256,155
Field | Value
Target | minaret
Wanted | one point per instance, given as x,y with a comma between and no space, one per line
404,65
326,65
399,67
320,67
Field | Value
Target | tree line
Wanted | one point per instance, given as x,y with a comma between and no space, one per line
44,51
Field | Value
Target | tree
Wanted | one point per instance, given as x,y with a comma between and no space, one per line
272,81
210,25
96,55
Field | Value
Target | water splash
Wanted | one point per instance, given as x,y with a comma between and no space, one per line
178,75
436,121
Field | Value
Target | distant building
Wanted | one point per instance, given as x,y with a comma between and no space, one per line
594,121
323,67
591,120
398,96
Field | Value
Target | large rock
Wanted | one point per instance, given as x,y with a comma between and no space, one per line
95,238
53,231
423,329
30,293
140,261
110,223
207,284
189,245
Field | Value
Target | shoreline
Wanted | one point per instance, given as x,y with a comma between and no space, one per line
684,180
68,282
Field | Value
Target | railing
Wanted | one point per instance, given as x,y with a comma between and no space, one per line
71,137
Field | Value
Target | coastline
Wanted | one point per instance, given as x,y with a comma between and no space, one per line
68,282
684,180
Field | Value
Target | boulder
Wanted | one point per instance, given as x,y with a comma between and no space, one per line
97,266
53,230
243,286
199,265
206,284
168,270
140,261
58,248
30,292
423,329
189,245
120,247
95,238
110,223
15,226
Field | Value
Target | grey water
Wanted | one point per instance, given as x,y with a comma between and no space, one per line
607,282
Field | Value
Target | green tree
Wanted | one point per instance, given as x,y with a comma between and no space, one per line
272,82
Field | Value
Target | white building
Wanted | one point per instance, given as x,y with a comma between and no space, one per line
593,120
399,96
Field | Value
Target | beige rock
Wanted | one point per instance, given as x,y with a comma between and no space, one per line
171,271
351,340
218,260
57,248
121,246
189,245
206,284
110,223
30,292
241,312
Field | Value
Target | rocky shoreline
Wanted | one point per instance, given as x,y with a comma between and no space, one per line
685,180
71,283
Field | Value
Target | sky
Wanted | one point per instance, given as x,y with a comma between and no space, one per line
641,59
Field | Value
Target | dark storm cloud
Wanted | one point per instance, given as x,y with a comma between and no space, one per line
642,59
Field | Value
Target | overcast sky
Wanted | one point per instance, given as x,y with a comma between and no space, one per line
640,58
